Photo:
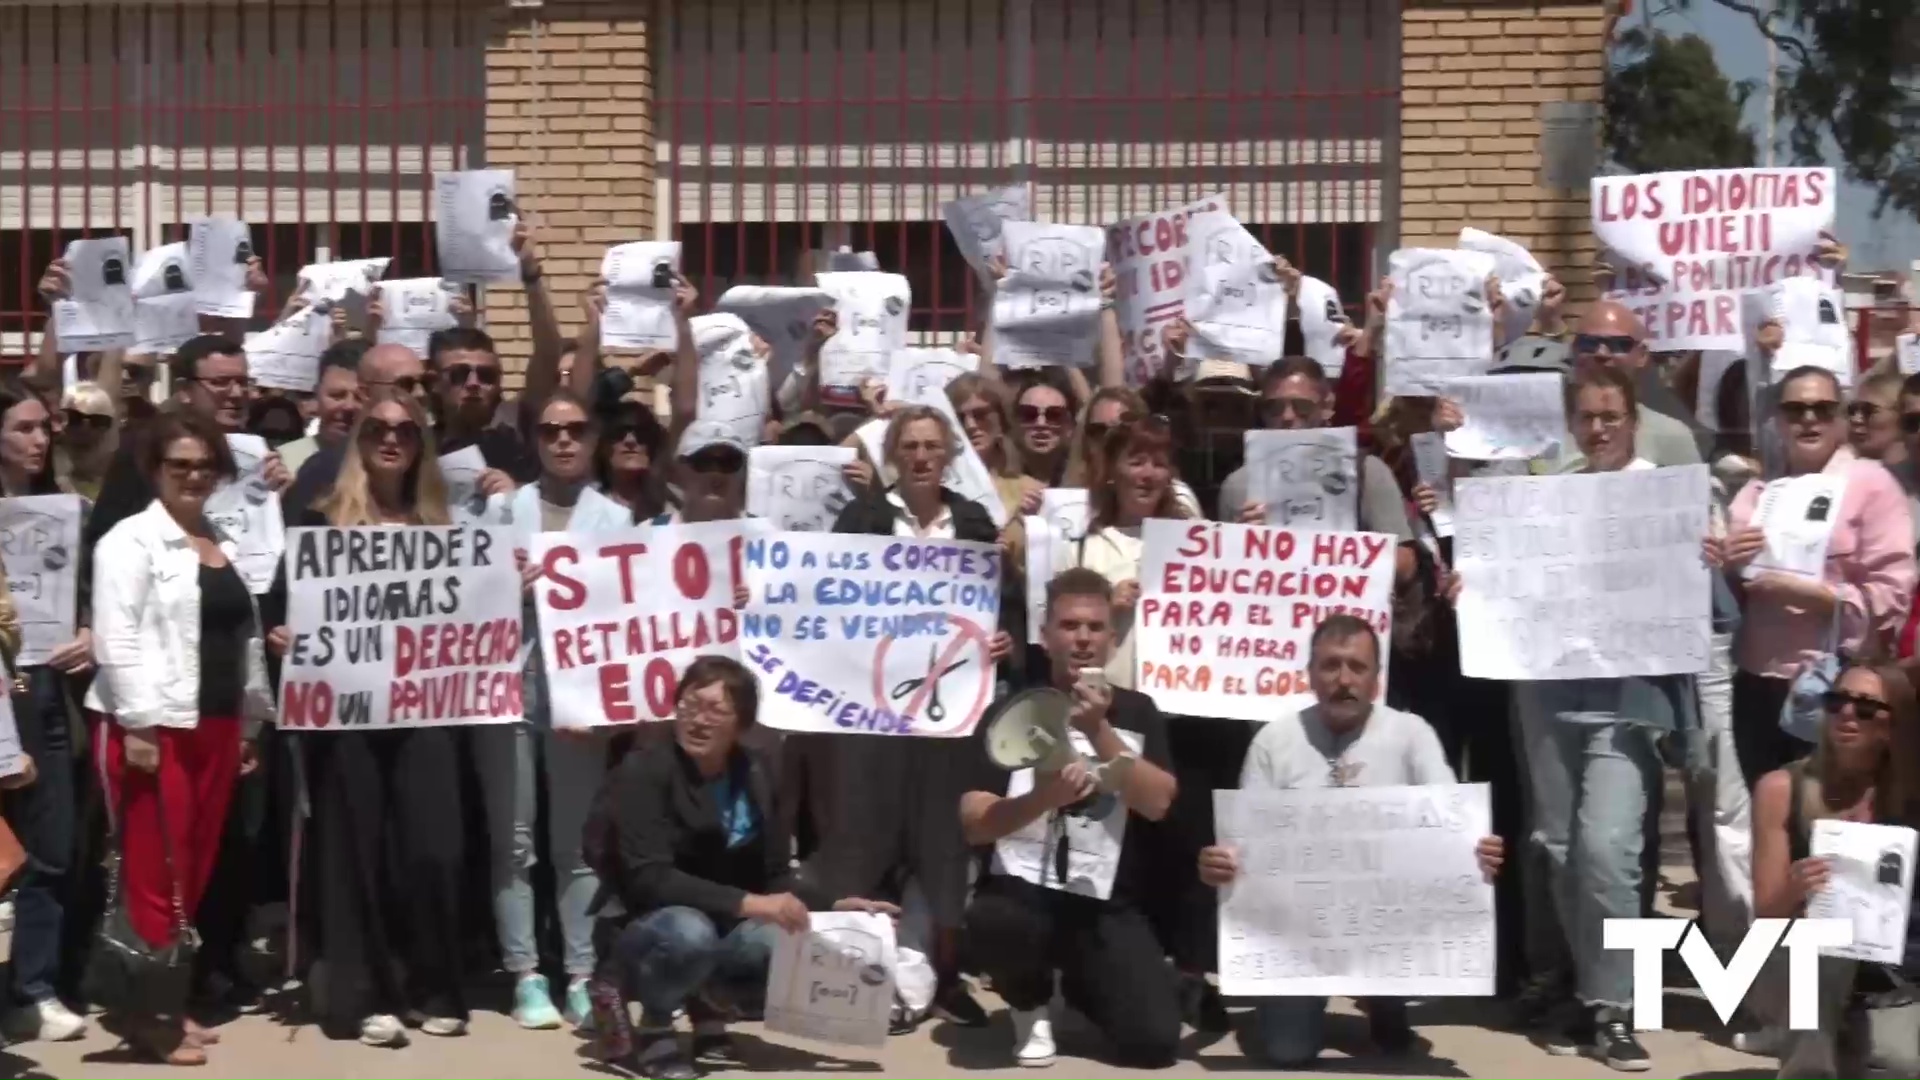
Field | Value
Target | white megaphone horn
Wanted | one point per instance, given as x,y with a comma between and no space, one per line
1032,732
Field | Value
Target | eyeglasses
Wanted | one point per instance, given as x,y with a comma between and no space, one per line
376,431
979,415
458,374
573,429
96,421
1801,411
1052,415
223,383
1607,421
689,709
184,467
1863,410
1617,344
1279,408
406,384
1865,708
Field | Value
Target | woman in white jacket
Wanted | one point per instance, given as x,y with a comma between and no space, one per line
183,679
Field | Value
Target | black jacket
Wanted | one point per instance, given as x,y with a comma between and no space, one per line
670,847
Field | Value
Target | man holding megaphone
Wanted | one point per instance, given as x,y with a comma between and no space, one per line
1088,760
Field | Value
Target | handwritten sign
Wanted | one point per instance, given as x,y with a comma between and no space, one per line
1046,311
1149,259
1306,479
1797,515
40,542
1869,884
286,355
733,379
413,309
331,282
873,326
799,488
871,634
474,215
218,250
782,316
162,324
462,470
1439,326
976,222
1322,321
1685,245
622,614
248,514
834,983
1358,891
916,373
98,314
1430,462
1513,417
1523,281
1585,575
1235,299
1226,611
162,271
413,626
1813,326
640,279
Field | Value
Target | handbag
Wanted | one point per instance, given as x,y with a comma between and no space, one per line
125,974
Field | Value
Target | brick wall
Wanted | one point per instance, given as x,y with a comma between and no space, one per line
569,109
1474,74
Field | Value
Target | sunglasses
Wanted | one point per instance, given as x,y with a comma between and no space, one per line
376,431
1617,344
458,374
550,431
1054,415
187,466
1801,411
96,421
1863,410
1865,708
224,383
723,464
1282,407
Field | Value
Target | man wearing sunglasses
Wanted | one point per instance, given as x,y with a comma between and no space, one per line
468,376
711,473
1610,334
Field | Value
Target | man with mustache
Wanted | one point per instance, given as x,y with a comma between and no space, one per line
1342,740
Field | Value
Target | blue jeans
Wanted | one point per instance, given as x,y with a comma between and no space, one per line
667,955
43,816
1593,775
509,755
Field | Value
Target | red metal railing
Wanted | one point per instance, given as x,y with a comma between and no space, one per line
320,124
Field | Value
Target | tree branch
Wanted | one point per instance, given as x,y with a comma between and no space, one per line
1763,22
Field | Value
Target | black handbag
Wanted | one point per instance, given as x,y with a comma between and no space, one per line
125,974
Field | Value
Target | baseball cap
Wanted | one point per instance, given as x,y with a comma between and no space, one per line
704,435
1224,375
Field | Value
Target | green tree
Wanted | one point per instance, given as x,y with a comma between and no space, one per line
1668,107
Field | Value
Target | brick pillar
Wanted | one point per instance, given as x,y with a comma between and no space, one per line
570,110
1474,74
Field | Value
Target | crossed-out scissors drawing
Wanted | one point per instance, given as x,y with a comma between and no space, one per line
936,712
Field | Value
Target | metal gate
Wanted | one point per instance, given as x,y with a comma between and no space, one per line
319,123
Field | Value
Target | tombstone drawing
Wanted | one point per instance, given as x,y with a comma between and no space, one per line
499,206
1828,316
1054,258
174,278
895,306
113,271
663,274
242,252
1891,869
1819,508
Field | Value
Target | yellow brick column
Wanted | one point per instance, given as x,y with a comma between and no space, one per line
570,110
1474,75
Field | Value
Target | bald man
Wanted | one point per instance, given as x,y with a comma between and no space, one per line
1609,333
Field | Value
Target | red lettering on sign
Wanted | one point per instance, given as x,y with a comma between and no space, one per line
616,702
626,553
690,572
565,592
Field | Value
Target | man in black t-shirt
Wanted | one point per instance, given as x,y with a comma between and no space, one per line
1067,876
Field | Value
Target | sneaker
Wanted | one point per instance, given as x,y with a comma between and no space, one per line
533,1004
660,1058
1201,1007
1615,1045
954,1004
448,1027
47,1021
383,1030
1763,1041
579,1008
1032,1038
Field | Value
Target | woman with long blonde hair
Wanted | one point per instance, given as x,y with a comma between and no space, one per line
388,819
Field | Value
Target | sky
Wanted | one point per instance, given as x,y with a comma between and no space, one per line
1891,242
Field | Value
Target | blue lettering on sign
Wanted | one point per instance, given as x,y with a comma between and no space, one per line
872,627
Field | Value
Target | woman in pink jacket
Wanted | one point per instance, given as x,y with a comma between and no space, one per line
1861,596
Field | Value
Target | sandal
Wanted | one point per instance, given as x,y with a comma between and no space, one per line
166,1043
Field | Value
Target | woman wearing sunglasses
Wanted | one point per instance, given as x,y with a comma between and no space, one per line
1109,408
1866,768
629,460
389,824
1043,418
1865,586
87,442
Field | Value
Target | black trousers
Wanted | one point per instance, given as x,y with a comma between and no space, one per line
1110,964
1757,739
389,846
1208,753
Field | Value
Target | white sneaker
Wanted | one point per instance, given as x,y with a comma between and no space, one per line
47,1021
445,1027
1032,1038
383,1030
1762,1042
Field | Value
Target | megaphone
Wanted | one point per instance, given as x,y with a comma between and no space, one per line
1032,732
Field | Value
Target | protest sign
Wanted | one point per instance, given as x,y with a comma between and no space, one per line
1226,611
1430,463
1356,891
218,250
967,475
782,316
1512,417
473,221
40,541
1322,320
413,308
1797,515
1906,349
1523,281
1439,326
332,282
1093,840
1869,884
1813,332
873,326
834,983
976,222
1046,311
1149,259
1307,479
462,470
1062,520
401,626
914,373
286,355
1685,245
247,513
799,488
98,313
1068,510
162,324
871,634
162,271
733,379
640,278
622,614
1235,299
1583,575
